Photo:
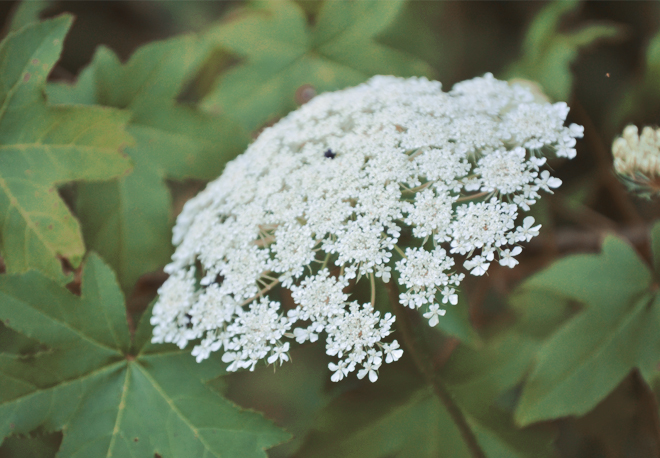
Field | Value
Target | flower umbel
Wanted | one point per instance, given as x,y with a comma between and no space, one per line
320,201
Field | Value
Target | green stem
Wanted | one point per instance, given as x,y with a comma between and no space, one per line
325,261
261,292
472,196
425,366
400,251
421,187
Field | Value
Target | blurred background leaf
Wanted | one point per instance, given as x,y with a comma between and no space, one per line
398,417
286,61
36,446
548,52
128,221
457,323
617,331
27,12
642,97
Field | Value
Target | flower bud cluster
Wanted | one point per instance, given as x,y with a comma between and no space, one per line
321,199
637,159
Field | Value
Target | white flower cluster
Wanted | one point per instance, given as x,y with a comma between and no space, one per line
637,159
325,197
634,153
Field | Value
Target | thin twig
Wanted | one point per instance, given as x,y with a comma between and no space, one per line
425,366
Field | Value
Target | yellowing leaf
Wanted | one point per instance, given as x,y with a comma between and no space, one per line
128,221
283,54
41,147
111,396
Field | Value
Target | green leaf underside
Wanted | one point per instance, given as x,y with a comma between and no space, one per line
42,147
548,52
107,402
282,54
618,330
128,221
402,419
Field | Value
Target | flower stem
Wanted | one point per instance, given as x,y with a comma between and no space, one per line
400,251
261,292
420,187
425,366
472,196
325,261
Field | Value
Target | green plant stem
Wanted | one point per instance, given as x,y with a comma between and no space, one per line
400,251
425,366
473,196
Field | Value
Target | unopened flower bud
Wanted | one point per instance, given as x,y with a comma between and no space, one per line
637,159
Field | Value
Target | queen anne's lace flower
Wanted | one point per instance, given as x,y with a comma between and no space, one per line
321,200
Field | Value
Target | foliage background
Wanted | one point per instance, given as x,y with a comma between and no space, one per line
602,58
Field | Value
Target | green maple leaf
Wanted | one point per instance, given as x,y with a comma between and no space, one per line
589,355
110,395
396,417
548,52
282,54
128,221
43,146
